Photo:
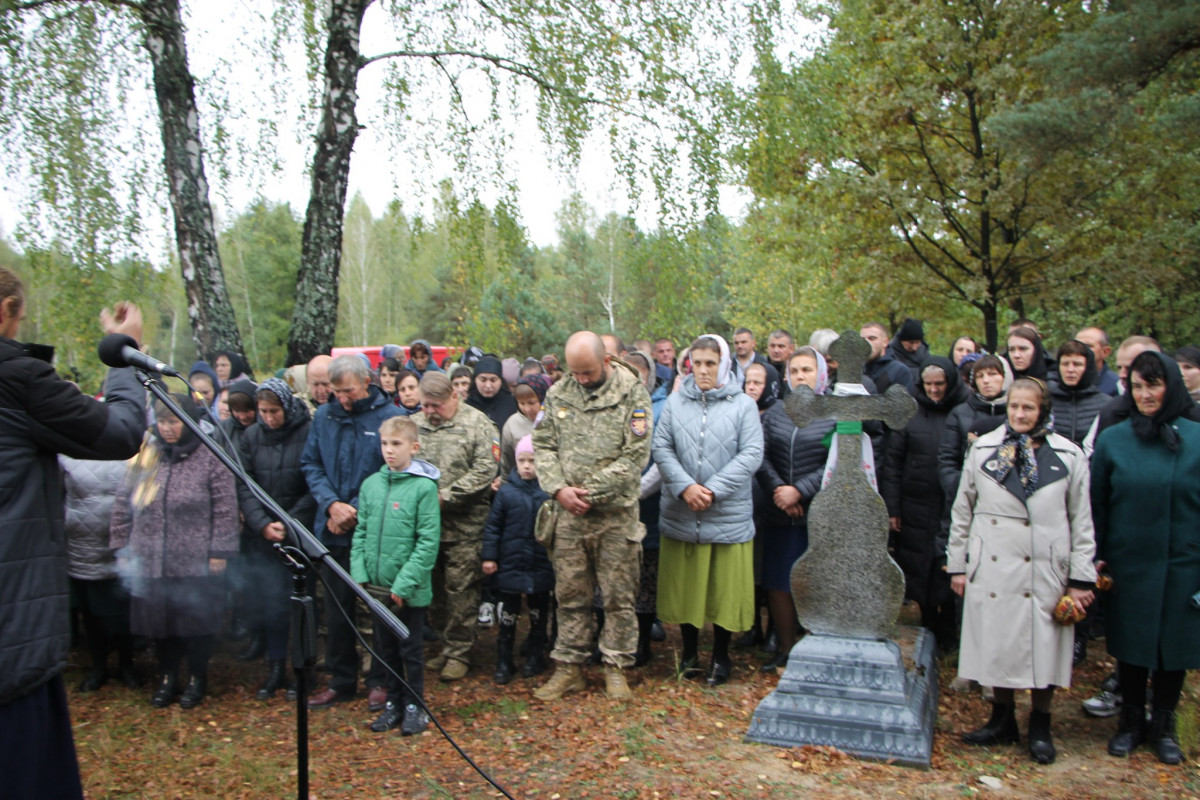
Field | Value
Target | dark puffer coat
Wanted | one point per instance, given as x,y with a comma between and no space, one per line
791,456
271,457
911,486
522,564
42,415
885,371
966,422
1075,411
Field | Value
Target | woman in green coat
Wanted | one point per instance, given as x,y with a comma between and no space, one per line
1146,506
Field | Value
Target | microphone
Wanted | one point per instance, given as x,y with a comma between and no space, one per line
119,350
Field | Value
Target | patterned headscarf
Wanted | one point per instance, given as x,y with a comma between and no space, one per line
538,382
1017,448
292,405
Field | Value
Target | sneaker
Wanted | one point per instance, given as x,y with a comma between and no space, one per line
1107,703
415,721
487,614
390,718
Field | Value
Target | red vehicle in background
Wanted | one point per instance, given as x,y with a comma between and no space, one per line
438,353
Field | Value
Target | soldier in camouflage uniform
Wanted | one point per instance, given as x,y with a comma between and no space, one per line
591,446
464,445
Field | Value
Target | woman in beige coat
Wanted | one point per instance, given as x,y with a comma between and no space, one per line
1021,536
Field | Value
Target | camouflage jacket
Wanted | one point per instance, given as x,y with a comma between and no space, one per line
596,440
465,450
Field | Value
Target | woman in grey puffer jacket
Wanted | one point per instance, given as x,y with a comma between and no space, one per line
708,443
91,487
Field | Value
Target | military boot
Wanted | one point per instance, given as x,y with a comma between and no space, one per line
504,657
566,678
615,685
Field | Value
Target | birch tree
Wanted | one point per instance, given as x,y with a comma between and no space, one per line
69,69
647,75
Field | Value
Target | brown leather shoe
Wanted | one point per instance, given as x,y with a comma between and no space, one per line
328,698
376,699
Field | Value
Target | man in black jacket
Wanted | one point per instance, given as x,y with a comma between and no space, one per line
42,415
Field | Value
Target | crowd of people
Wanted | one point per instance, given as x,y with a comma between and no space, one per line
641,486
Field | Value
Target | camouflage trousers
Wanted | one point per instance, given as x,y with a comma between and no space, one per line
457,583
597,549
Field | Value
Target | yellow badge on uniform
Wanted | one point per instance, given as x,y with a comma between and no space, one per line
639,424
562,413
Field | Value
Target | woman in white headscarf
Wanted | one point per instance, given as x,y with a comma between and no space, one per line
708,444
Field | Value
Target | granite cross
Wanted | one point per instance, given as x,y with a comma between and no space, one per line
846,584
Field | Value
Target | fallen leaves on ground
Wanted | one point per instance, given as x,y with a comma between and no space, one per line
676,739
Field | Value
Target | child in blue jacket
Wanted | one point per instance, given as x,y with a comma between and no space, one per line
518,565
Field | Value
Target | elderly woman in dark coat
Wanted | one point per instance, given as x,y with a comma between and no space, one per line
789,477
1146,503
915,499
270,453
174,527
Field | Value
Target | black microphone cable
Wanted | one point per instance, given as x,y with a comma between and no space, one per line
358,635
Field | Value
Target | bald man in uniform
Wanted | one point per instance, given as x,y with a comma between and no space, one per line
590,448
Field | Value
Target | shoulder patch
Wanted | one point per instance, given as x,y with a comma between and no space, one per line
496,449
638,422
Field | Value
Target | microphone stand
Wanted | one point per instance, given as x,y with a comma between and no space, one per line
302,550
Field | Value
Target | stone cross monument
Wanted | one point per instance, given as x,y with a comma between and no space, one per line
848,684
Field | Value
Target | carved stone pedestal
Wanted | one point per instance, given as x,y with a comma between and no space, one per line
874,699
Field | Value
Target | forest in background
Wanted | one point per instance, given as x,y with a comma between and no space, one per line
961,163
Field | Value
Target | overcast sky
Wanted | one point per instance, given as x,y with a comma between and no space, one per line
379,174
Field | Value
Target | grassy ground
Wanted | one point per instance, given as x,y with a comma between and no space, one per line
677,739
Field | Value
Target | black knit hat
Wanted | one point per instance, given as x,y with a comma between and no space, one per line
911,331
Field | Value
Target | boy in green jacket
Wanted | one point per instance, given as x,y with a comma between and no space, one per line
394,548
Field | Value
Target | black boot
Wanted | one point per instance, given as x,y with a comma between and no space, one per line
194,692
276,680
97,677
643,655
1041,746
689,659
255,649
1130,732
1162,736
535,658
164,695
1000,729
504,659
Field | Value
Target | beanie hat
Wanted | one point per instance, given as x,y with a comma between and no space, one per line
524,445
489,365
911,331
510,370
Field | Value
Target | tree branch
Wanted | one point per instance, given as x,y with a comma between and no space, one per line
33,5
518,68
